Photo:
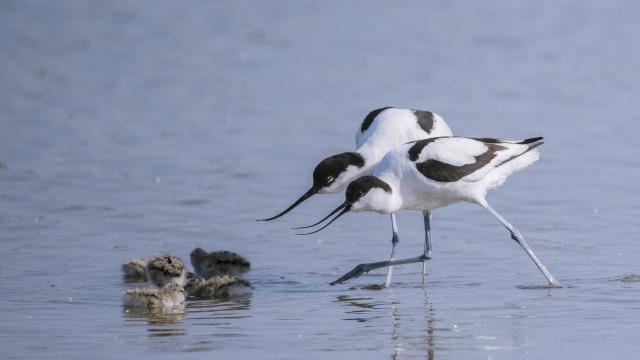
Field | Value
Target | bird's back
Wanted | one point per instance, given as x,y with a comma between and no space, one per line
439,171
389,128
485,161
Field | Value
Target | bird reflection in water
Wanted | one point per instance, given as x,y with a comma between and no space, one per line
233,308
367,309
364,306
218,314
159,322
430,322
429,328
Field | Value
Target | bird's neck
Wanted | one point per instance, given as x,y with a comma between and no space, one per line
393,200
371,155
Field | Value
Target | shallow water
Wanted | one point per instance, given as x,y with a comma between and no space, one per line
134,127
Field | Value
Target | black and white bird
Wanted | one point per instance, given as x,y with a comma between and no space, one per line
436,172
381,131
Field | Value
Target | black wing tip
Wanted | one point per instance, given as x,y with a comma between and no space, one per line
531,140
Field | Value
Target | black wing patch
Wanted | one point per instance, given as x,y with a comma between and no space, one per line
498,141
491,140
417,147
425,120
370,116
443,172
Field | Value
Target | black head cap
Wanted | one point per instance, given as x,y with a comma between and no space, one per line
356,190
324,175
329,169
361,186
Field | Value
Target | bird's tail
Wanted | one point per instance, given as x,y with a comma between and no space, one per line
526,155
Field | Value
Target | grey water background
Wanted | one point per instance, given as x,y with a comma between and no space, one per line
128,128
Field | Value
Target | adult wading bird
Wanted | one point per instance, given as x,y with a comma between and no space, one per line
381,131
433,173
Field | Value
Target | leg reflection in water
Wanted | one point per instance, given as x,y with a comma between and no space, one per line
405,307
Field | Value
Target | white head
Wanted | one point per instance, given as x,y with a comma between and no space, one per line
367,193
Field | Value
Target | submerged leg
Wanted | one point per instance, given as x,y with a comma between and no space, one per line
515,235
394,241
365,268
426,214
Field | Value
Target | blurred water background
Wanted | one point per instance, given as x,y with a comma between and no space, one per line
128,128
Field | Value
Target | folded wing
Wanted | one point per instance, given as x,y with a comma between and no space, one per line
452,159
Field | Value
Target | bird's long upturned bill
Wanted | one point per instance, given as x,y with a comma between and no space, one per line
321,221
304,197
345,209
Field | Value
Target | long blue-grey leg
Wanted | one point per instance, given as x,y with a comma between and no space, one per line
515,235
365,268
427,238
394,241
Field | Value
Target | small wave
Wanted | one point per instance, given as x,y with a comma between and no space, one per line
543,286
627,278
193,202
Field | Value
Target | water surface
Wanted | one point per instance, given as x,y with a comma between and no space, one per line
133,127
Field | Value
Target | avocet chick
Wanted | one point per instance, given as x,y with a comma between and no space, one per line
168,296
134,270
217,287
218,263
163,269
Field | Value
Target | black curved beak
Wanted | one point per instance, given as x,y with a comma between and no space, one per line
304,197
321,221
345,209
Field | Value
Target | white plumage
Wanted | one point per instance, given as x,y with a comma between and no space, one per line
381,131
454,151
416,190
394,127
436,172
499,175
